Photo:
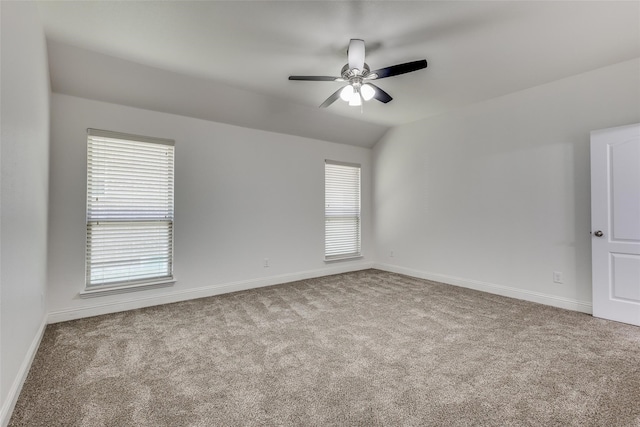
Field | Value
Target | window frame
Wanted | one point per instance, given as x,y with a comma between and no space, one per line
145,222
331,256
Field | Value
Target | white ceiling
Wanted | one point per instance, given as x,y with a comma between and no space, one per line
229,61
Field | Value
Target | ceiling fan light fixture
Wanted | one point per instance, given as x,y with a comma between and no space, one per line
357,74
355,100
347,93
367,92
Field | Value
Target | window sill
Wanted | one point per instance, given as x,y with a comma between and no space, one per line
344,258
91,293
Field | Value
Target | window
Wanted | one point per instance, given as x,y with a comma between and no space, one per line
129,210
342,210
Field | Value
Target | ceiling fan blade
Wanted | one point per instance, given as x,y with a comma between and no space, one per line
395,70
316,78
330,100
356,54
381,95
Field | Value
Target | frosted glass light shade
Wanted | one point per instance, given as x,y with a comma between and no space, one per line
347,93
367,92
355,100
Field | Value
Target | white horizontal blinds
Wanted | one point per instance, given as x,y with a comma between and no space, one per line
129,209
342,210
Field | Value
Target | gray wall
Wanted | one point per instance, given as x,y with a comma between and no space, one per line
25,174
496,196
242,195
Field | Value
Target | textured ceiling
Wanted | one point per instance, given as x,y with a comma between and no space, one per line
229,61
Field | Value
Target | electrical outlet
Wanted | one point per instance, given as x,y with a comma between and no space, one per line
266,263
557,277
391,254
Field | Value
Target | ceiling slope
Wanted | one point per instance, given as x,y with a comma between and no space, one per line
229,60
92,75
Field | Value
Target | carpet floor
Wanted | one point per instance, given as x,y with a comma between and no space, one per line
367,348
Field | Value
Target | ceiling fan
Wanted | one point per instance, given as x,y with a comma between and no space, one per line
358,75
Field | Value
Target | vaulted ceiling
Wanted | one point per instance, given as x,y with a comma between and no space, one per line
228,61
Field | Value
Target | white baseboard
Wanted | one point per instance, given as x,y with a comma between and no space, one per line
134,302
552,300
16,386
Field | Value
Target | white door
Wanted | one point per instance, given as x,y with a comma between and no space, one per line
615,223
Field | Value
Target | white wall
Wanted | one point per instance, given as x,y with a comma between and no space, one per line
242,195
24,153
496,196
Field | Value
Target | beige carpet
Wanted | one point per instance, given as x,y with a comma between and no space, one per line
367,348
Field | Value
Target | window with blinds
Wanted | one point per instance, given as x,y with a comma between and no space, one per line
342,210
129,210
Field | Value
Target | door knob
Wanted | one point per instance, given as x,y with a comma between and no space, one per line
598,233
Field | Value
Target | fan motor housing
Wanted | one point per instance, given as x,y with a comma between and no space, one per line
349,74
